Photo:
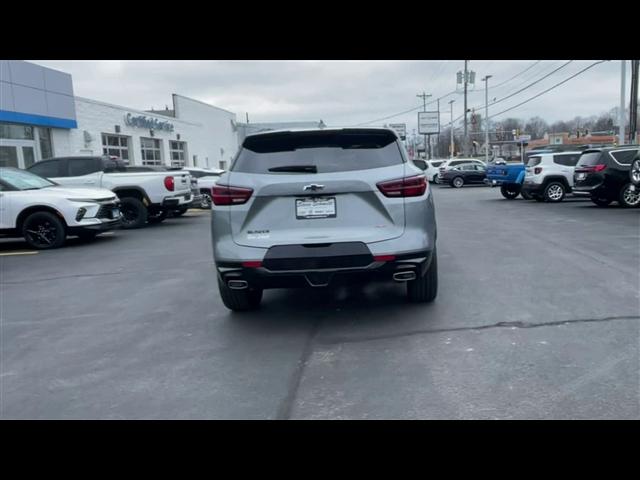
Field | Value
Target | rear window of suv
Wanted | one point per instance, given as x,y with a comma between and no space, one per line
533,161
323,151
589,159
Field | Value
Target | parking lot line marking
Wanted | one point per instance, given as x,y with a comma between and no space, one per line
26,252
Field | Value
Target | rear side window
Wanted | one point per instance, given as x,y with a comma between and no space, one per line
590,159
323,152
533,161
48,168
624,157
83,166
568,160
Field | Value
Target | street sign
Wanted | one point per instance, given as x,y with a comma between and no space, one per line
524,138
400,129
428,123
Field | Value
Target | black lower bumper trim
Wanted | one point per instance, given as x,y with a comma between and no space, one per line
265,278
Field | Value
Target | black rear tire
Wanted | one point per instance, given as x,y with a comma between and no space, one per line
601,202
134,213
554,192
424,289
627,198
525,195
44,231
510,191
157,216
240,300
457,182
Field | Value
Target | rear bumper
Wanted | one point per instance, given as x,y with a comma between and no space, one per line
533,188
177,200
263,276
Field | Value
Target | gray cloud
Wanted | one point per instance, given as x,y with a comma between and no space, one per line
342,92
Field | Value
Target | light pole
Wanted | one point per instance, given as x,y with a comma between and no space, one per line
486,118
451,147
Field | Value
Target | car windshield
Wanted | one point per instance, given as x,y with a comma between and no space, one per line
21,180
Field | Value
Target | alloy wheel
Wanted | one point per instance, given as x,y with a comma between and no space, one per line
42,233
631,198
555,192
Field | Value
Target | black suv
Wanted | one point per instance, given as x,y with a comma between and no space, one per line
603,173
634,173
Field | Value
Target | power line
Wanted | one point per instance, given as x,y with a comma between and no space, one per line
550,88
521,90
544,91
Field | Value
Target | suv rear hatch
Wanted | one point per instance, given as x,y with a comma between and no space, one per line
317,187
589,169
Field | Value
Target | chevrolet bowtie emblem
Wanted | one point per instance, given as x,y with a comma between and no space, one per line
313,187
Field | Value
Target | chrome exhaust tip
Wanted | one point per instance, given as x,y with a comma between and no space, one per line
237,284
404,276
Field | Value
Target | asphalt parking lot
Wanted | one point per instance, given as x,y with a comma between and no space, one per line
537,317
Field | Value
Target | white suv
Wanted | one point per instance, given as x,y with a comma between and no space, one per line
549,176
44,213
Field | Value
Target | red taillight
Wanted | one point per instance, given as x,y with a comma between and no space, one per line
591,168
537,170
384,258
252,264
227,195
169,184
404,187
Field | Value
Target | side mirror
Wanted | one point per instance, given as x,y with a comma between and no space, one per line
421,164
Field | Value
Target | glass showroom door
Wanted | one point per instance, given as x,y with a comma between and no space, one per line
16,153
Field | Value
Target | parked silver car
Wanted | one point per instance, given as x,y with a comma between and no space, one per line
320,207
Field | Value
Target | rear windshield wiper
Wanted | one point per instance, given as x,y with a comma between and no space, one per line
295,168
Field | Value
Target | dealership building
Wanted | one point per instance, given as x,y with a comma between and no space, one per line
40,117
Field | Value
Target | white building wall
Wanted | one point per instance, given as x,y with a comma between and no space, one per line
219,140
205,129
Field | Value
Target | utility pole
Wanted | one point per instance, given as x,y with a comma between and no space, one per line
438,137
466,82
633,106
424,97
452,146
623,75
486,118
247,116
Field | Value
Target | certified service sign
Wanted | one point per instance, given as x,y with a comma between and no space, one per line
142,121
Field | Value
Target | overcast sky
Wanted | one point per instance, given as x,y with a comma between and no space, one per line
343,93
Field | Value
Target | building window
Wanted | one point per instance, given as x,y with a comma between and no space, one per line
16,132
44,137
116,145
177,152
151,151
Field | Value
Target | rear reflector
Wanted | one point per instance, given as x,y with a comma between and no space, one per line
404,187
252,264
384,258
227,195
